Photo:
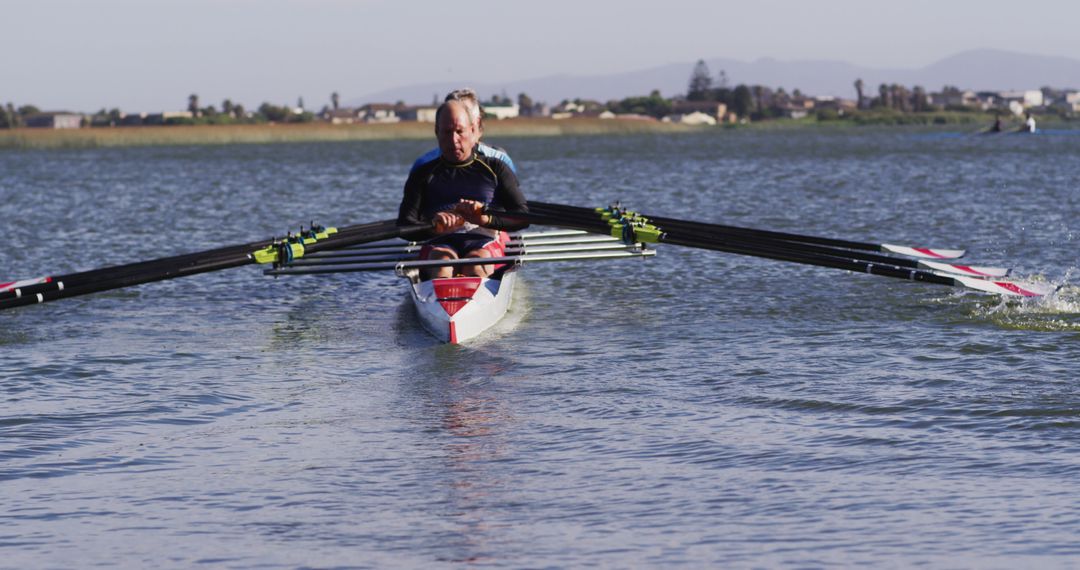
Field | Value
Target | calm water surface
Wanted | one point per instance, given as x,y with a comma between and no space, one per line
696,409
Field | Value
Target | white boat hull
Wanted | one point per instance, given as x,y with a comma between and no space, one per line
458,316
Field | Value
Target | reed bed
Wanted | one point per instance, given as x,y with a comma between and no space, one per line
309,132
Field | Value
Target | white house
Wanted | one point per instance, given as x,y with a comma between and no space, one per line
419,114
1028,98
379,113
1072,101
502,111
695,118
55,120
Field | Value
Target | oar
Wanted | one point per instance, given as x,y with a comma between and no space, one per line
43,284
780,250
624,252
266,251
923,252
409,254
711,232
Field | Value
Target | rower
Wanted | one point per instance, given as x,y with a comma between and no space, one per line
463,194
469,98
1029,124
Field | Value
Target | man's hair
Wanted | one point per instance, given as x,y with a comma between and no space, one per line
446,104
468,97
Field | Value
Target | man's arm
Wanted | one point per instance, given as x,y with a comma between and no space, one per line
410,212
508,199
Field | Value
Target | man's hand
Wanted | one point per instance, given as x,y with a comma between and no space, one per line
473,212
447,222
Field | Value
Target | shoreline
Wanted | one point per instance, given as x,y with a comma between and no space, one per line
104,137
270,133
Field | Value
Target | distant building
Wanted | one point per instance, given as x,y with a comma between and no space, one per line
133,119
837,104
540,109
1072,101
694,118
379,113
989,100
1028,98
954,98
794,111
713,109
342,116
420,114
586,108
54,120
502,111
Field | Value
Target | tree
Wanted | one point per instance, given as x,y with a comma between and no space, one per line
759,96
193,104
883,93
335,100
654,105
700,83
300,103
920,103
742,101
899,95
274,113
227,108
859,92
722,81
5,120
526,104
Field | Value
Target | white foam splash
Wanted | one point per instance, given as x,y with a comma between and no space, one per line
1058,311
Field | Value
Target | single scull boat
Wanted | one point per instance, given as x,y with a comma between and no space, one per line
457,309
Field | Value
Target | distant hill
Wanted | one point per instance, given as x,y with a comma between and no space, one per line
982,69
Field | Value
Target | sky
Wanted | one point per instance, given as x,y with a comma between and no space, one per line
149,55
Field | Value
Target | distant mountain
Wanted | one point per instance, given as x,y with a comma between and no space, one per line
982,69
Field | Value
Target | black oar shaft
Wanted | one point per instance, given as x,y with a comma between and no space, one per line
665,223
885,270
766,248
78,279
191,264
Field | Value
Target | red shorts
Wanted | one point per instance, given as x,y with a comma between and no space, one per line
464,243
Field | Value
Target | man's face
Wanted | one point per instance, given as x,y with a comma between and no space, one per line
456,133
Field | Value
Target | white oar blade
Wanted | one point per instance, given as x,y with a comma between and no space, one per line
5,287
967,270
924,252
1013,288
